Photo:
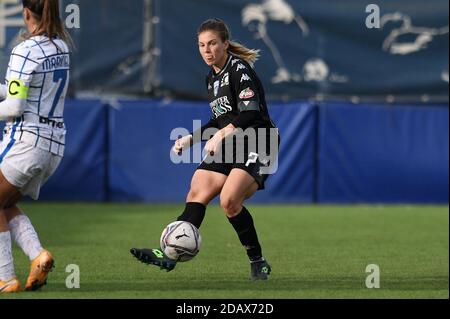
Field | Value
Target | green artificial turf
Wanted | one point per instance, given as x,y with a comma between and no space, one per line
315,252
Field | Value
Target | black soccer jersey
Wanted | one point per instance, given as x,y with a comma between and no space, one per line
235,89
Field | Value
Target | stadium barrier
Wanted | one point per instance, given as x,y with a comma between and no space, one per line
329,153
82,174
383,154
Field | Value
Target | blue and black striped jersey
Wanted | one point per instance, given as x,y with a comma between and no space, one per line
42,66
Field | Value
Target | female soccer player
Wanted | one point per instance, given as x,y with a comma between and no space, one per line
34,136
238,103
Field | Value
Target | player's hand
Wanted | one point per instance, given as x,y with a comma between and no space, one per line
182,143
212,146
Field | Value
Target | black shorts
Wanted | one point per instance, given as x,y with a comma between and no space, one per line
256,154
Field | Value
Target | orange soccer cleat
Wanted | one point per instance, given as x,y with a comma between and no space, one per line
40,267
12,285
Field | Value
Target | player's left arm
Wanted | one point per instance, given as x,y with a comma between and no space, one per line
247,100
248,104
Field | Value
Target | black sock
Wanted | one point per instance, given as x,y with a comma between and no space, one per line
193,213
245,228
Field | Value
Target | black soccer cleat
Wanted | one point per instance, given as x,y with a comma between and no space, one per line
153,257
260,269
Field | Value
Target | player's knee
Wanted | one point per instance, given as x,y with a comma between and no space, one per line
231,206
197,195
192,195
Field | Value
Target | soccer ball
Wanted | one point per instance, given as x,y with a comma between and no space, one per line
180,241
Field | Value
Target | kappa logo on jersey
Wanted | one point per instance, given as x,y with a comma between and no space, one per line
225,80
216,87
246,94
240,67
220,106
245,77
234,61
209,86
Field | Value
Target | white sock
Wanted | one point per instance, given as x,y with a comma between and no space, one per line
25,236
6,259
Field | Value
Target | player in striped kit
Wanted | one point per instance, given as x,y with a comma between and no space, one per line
34,136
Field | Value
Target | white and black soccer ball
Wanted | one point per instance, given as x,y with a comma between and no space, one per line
180,241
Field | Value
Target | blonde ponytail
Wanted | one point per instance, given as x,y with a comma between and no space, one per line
241,51
46,13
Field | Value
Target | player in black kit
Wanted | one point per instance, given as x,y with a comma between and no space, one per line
243,145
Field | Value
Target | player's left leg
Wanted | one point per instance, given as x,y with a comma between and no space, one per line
239,186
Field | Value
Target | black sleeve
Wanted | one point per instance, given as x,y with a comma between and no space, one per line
212,123
246,119
246,90
247,95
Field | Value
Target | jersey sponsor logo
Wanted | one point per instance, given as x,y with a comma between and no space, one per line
216,87
245,77
52,123
246,94
225,80
240,67
17,89
220,106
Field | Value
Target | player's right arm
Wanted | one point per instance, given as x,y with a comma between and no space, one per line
18,78
2,91
193,138
16,98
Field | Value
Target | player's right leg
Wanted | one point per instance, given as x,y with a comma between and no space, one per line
8,280
26,237
26,169
205,185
